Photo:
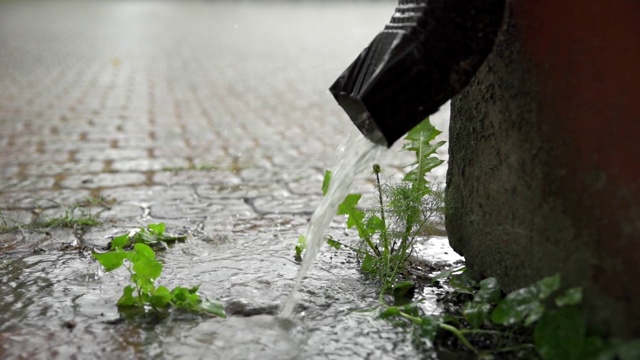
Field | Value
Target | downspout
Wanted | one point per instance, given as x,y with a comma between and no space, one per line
427,53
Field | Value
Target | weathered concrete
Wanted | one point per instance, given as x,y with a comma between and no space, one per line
544,172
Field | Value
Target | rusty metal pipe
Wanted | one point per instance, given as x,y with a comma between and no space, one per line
427,53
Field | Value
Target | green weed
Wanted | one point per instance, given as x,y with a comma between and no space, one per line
144,269
96,201
532,322
153,235
74,217
405,211
70,220
4,226
300,246
523,324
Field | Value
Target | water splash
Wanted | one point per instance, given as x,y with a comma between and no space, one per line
356,155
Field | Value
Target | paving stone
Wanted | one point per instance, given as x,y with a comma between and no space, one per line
196,177
246,190
118,212
42,198
110,154
13,218
13,156
270,224
49,169
292,204
127,140
234,210
183,209
28,184
37,241
146,195
167,149
143,165
8,171
102,180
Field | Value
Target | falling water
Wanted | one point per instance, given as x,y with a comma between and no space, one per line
356,155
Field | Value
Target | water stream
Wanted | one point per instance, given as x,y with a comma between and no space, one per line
355,156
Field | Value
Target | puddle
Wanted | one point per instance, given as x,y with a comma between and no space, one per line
54,305
57,304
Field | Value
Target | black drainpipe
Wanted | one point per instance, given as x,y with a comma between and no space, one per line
428,52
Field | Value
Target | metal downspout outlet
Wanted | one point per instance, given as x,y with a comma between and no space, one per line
427,53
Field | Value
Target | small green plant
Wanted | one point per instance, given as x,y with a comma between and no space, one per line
71,220
74,217
4,226
525,323
300,246
96,201
141,263
153,235
404,212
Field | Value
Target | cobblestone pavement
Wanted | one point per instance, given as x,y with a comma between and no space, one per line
212,117
164,109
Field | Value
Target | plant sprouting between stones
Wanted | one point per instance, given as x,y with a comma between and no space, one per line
523,324
403,213
134,253
76,216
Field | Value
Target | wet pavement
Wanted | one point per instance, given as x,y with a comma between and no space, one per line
211,117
